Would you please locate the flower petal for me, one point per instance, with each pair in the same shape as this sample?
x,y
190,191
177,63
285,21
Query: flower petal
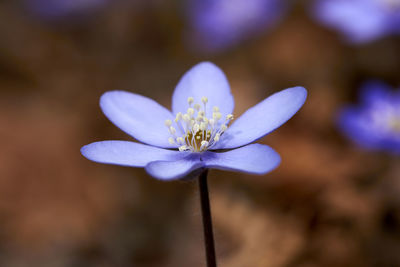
x,y
204,79
359,127
359,20
127,153
375,91
215,26
263,118
172,170
254,158
354,125
139,116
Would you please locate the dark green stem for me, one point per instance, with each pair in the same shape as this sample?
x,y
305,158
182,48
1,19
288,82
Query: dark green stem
x,y
207,221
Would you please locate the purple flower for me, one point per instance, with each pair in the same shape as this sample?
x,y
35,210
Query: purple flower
x,y
360,20
195,135
218,24
375,124
54,9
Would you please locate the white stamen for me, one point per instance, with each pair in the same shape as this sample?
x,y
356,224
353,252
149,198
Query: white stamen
x,y
204,144
217,116
190,112
223,128
178,116
168,123
212,122
183,148
196,128
229,117
199,132
186,117
217,136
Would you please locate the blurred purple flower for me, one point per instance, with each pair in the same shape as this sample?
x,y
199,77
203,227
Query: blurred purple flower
x,y
218,24
375,124
55,9
360,20
177,143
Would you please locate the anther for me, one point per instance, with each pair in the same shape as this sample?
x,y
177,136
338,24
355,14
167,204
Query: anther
x,y
197,107
171,140
217,116
190,100
190,112
204,100
217,136
178,116
186,117
172,130
223,128
229,117
216,109
168,123
204,144
183,148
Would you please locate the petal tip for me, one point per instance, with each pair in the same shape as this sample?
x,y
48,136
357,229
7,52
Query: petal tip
x,y
207,67
87,151
83,151
205,64
301,91
273,156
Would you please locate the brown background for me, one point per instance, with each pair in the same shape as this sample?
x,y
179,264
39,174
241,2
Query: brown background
x,y
329,203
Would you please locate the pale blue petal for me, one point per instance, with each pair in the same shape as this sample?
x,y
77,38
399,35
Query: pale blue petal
x,y
204,79
357,126
172,170
220,24
127,153
263,118
375,91
254,158
138,116
360,20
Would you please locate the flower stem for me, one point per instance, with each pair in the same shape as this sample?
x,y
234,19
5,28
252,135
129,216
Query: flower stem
x,y
207,222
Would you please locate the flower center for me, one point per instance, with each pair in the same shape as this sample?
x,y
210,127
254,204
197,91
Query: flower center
x,y
200,132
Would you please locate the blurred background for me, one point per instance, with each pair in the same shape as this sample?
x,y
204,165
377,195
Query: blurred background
x,y
330,203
